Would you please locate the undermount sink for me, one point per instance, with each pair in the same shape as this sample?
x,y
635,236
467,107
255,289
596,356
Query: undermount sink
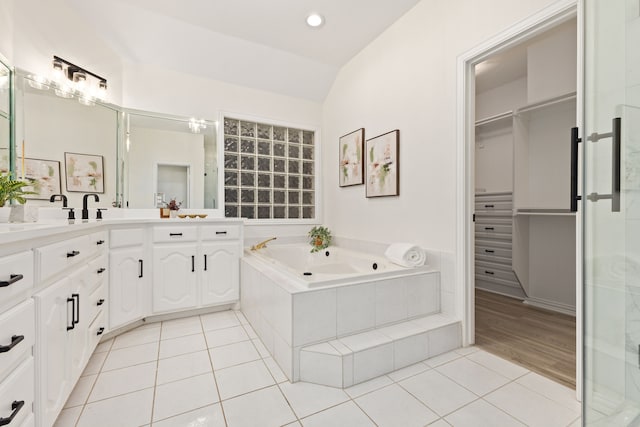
x,y
8,227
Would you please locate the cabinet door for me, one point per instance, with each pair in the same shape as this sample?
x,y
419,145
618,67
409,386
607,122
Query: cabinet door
x,y
174,277
220,275
129,287
81,283
52,352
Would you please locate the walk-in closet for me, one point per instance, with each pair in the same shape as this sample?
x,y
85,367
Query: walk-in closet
x,y
525,229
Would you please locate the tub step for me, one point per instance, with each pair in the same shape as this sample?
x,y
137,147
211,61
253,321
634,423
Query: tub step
x,y
357,358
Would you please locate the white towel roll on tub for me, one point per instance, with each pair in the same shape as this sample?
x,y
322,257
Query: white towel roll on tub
x,y
406,254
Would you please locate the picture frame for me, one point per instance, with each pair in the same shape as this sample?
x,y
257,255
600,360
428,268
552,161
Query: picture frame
x,y
382,162
84,173
351,159
43,176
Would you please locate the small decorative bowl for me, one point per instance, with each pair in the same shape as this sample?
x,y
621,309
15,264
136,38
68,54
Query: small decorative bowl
x,y
182,215
202,215
192,215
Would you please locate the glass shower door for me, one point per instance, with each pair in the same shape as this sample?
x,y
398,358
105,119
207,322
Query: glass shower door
x,y
611,200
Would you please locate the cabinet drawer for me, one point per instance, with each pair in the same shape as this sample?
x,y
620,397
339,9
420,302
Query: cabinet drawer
x,y
494,197
220,232
96,330
16,393
16,275
493,252
99,241
488,272
124,237
98,271
178,233
97,302
58,256
493,229
17,335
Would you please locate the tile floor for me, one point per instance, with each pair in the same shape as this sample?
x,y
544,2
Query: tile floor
x,y
212,370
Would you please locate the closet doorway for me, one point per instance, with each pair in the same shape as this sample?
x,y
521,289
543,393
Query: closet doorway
x,y
524,230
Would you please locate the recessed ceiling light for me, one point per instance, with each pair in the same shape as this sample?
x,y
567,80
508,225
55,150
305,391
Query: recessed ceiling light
x,y
315,20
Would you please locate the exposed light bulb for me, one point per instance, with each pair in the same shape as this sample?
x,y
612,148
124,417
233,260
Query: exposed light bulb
x,y
315,20
80,81
57,74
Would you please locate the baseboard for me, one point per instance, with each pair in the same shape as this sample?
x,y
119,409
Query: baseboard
x,y
551,305
497,288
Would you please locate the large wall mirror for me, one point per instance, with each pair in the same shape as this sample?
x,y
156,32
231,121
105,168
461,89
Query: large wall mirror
x,y
5,117
65,144
167,157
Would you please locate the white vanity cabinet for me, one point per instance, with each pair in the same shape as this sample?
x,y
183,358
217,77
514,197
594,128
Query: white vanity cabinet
x,y
129,285
68,320
195,266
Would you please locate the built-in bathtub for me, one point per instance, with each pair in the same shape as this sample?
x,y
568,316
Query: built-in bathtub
x,y
344,296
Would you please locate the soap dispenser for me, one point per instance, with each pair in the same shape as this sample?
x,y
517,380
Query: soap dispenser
x,y
72,215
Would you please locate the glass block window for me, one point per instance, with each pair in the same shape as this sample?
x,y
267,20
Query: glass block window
x,y
268,171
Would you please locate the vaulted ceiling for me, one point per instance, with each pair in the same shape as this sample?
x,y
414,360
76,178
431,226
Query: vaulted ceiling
x,y
263,44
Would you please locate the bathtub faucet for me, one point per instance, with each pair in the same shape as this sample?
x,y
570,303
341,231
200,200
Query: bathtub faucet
x,y
262,244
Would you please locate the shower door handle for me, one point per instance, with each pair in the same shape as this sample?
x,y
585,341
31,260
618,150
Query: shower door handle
x,y
616,153
575,141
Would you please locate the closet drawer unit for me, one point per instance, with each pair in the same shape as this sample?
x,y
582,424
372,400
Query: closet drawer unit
x,y
493,243
494,220
220,232
494,197
493,206
58,256
17,335
486,251
184,233
16,277
17,392
493,229
493,273
124,237
97,302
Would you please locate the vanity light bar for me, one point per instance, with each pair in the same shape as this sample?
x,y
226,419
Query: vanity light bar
x,y
71,69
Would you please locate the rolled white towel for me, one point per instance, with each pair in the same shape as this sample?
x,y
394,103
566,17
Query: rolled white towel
x,y
406,254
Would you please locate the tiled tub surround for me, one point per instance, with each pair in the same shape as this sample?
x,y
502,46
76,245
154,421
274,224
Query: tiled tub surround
x,y
341,335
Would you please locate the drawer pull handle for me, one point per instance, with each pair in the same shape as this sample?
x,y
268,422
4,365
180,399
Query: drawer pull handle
x,y
489,272
73,313
12,279
101,270
15,407
77,319
15,340
141,262
489,206
175,234
489,251
72,254
193,263
205,262
100,331
100,242
220,232
100,302
489,228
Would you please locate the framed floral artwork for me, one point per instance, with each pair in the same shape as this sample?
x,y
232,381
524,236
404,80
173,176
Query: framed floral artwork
x,y
351,161
84,173
382,165
43,177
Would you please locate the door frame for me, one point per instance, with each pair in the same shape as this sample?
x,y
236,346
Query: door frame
x,y
157,165
549,17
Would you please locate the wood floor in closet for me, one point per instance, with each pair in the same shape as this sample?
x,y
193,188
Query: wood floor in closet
x,y
540,340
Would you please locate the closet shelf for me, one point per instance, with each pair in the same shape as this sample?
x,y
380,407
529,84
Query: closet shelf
x,y
545,212
546,103
495,119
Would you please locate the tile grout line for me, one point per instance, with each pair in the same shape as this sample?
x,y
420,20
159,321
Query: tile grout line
x,y
86,402
155,380
213,371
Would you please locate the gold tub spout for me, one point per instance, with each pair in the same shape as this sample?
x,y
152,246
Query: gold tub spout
x,y
262,244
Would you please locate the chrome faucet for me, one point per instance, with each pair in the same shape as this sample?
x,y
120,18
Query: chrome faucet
x,y
262,244
85,211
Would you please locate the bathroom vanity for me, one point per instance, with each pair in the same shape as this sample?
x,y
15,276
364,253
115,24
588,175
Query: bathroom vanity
x,y
63,287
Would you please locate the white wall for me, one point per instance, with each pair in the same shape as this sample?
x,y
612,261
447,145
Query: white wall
x,y
6,30
406,79
42,29
501,99
148,147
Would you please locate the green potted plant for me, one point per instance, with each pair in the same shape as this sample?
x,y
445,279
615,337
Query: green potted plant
x,y
11,189
319,238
